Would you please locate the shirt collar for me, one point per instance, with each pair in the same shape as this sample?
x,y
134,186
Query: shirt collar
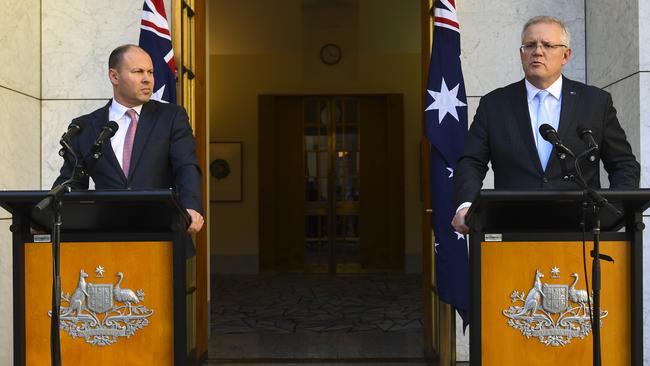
x,y
117,111
555,89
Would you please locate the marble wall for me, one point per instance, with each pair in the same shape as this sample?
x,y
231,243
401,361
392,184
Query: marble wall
x,y
19,132
613,40
75,64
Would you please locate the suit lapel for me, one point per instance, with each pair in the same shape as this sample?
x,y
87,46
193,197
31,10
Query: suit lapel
x,y
519,101
108,152
570,97
146,122
567,123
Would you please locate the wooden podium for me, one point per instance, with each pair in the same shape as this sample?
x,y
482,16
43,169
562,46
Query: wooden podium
x,y
528,290
122,278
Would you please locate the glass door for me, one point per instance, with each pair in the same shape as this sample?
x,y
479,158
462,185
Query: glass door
x,y
331,184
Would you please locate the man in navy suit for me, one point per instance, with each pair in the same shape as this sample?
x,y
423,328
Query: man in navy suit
x,y
157,152
506,124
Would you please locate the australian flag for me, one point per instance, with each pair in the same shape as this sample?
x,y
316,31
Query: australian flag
x,y
446,127
155,38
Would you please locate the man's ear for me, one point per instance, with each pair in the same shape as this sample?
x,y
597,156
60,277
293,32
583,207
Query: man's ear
x,y
567,55
113,76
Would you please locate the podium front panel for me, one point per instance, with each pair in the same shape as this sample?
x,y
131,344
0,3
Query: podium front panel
x,y
108,319
533,304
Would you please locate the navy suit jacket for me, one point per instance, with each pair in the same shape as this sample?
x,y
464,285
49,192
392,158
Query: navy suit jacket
x,y
163,157
502,134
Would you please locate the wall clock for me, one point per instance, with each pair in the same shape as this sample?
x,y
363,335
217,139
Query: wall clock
x,y
330,54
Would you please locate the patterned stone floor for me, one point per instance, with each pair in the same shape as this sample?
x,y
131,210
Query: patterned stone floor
x,y
315,317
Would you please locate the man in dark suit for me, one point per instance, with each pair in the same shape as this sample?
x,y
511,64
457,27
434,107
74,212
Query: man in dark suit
x,y
506,124
153,148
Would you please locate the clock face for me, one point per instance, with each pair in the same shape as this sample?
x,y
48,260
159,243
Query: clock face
x,y
330,54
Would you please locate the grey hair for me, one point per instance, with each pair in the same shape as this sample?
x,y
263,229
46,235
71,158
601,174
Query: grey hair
x,y
566,36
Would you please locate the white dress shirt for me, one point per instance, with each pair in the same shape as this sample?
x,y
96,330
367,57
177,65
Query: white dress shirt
x,y
117,113
552,103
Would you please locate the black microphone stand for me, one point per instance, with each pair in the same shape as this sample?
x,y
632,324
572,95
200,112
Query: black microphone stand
x,y
592,199
54,199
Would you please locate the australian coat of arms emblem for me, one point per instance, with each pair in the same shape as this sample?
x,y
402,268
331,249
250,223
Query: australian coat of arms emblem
x,y
101,313
553,313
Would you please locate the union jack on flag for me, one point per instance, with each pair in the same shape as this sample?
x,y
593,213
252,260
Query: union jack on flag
x,y
446,127
155,38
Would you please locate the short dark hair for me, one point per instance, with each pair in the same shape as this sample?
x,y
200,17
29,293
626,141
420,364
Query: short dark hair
x,y
115,59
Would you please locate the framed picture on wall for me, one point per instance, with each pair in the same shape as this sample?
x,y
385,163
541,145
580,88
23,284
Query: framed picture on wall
x,y
226,167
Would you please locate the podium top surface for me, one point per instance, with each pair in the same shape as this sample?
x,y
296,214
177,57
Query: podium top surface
x,y
92,210
552,210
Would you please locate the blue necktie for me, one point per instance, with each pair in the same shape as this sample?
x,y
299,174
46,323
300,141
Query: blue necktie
x,y
544,147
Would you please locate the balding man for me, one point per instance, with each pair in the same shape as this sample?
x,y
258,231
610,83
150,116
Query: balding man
x,y
153,148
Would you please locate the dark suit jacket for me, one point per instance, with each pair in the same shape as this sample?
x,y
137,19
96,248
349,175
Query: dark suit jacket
x,y
164,154
502,134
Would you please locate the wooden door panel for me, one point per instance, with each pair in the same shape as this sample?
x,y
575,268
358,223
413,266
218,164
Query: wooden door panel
x,y
382,182
280,184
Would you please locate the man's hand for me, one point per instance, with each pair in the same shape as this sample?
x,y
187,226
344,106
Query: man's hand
x,y
197,222
459,221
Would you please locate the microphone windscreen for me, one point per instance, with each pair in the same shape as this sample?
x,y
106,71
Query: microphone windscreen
x,y
581,130
545,130
113,127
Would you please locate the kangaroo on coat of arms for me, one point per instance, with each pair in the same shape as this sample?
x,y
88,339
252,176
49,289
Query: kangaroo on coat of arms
x,y
101,313
554,313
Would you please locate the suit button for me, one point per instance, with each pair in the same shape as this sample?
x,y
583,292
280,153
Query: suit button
x,y
545,180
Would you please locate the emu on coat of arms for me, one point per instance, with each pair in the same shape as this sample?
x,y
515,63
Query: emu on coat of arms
x,y
101,313
553,313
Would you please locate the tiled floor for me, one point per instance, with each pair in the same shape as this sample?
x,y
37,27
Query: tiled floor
x,y
308,319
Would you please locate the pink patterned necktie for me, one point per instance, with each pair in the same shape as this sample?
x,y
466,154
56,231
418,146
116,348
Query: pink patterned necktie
x,y
128,141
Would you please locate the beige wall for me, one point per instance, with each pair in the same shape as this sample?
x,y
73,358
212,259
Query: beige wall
x,y
272,47
19,133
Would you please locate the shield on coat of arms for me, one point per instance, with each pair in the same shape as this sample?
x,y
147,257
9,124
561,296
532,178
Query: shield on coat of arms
x,y
555,299
100,297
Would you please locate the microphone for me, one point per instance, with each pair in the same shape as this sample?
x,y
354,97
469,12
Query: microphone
x,y
588,137
549,134
74,128
106,133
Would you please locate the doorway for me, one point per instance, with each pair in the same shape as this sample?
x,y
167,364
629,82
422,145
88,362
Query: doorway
x,y
331,183
332,189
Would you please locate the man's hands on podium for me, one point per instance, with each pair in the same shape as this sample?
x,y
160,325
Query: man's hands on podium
x,y
458,222
197,222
